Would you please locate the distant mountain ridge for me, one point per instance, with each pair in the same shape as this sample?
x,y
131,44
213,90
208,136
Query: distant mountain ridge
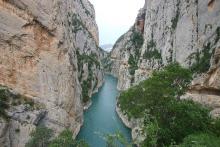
x,y
107,47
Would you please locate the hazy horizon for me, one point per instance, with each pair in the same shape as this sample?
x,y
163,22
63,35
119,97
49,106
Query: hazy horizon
x,y
115,17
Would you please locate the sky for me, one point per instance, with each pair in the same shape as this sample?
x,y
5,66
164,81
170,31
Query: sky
x,y
115,17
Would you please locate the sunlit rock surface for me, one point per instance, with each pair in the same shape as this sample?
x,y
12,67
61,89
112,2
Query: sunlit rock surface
x,y
48,49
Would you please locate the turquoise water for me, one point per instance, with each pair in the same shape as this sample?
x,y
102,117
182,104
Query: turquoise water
x,y
101,118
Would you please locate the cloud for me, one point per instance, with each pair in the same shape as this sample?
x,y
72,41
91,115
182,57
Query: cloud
x,y
115,17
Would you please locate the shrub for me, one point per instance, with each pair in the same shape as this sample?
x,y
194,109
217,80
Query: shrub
x,y
172,82
151,51
179,119
155,54
3,103
137,39
215,127
40,137
65,139
133,64
166,118
201,140
116,140
203,58
85,89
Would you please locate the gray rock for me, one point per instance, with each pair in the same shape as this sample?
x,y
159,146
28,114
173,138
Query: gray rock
x,y
39,41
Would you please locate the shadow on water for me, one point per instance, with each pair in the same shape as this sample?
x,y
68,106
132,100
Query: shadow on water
x,y
101,118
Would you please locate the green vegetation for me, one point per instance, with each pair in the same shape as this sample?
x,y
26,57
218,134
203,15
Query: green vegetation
x,y
85,89
41,137
3,103
202,58
132,61
152,52
215,127
78,25
17,130
201,140
116,140
9,99
172,81
151,44
167,119
217,35
137,39
90,59
86,84
107,63
65,139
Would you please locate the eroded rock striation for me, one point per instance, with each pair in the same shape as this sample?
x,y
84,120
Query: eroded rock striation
x,y
49,54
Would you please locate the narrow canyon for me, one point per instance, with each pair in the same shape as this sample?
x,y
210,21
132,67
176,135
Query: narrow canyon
x,y
51,66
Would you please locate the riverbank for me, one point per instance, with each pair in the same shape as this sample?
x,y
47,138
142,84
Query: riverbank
x,y
133,124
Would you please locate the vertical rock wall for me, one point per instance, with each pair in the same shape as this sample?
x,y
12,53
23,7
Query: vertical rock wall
x,y
187,32
48,49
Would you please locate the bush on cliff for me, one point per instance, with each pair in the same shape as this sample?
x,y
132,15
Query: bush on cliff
x,y
116,140
65,139
167,119
41,137
200,140
3,103
157,90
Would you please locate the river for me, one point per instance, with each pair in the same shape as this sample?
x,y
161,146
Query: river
x,y
101,118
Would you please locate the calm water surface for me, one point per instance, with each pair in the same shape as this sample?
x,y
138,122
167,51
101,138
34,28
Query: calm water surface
x,y
101,117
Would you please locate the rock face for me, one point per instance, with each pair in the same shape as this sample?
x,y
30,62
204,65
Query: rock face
x,y
187,32
205,88
172,31
50,54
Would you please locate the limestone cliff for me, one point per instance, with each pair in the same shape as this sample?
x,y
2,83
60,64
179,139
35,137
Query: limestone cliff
x,y
187,32
50,55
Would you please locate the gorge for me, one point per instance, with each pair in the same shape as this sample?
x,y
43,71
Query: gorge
x,y
101,119
52,68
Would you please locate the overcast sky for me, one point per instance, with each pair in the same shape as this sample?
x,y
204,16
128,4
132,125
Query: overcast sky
x,y
115,17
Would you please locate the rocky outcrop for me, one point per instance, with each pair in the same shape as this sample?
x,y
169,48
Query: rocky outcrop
x,y
50,54
205,88
134,124
173,31
187,32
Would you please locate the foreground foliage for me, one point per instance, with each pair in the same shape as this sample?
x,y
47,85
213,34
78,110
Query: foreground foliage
x,y
201,140
65,139
116,140
167,119
41,137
